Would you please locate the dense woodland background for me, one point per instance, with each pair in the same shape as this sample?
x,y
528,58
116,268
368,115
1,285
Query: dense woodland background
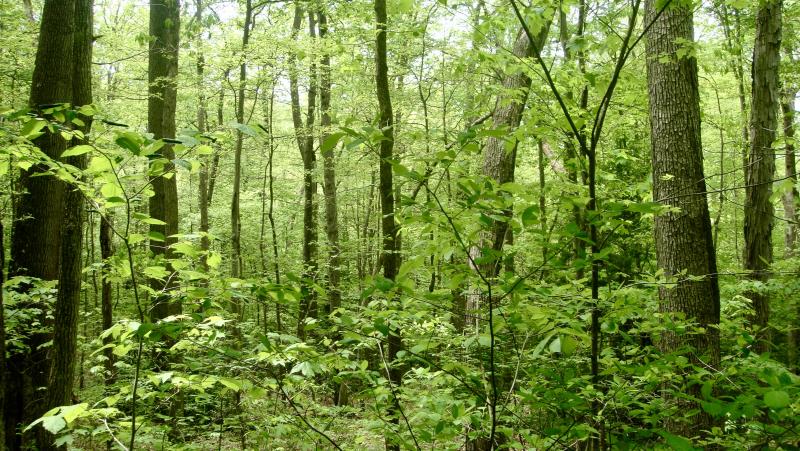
x,y
410,224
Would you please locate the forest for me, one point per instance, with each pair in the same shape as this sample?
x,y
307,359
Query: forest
x,y
399,224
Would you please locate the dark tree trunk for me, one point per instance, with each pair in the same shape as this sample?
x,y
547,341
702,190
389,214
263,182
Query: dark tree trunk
x,y
36,231
759,212
161,104
683,240
305,142
236,226
65,327
389,227
329,177
106,304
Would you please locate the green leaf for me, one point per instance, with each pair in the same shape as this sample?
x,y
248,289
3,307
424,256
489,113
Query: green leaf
x,y
230,383
677,442
32,127
331,141
77,150
54,424
777,399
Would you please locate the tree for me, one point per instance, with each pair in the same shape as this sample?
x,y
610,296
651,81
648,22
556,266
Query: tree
x,y
389,228
683,241
162,71
65,328
759,211
236,227
304,134
40,211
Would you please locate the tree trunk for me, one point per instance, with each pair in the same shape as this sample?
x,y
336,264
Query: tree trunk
x,y
106,303
759,211
161,103
305,142
202,121
236,226
329,177
36,230
389,227
65,327
683,239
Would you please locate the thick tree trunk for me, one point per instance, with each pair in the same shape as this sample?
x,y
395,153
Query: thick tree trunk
x,y
65,327
759,211
790,198
683,239
36,231
161,104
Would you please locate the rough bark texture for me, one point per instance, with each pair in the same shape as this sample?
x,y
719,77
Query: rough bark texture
x,y
36,232
161,104
683,239
329,177
389,227
758,209
65,327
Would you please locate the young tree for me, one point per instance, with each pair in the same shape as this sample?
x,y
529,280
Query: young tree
x,y
684,246
236,226
759,211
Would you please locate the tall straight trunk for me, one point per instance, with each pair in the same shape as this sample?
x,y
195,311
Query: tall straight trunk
x,y
202,121
329,175
36,232
162,72
106,303
683,240
758,209
389,227
236,226
305,142
271,209
65,327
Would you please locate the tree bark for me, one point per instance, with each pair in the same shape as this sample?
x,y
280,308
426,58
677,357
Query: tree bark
x,y
161,105
759,212
389,227
305,142
329,176
36,230
236,226
106,303
683,239
65,327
